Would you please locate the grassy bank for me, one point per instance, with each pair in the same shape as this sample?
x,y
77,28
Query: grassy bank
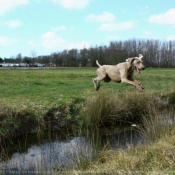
x,y
155,158
34,98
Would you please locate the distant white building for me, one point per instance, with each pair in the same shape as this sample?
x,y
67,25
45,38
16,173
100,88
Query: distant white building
x,y
39,65
6,65
14,65
23,65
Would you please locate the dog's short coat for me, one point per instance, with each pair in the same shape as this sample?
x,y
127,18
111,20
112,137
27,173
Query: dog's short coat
x,y
120,73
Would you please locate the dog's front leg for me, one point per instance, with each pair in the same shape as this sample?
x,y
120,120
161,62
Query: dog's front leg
x,y
140,87
126,81
139,83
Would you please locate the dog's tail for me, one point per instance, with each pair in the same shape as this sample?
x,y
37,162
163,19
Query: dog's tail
x,y
98,63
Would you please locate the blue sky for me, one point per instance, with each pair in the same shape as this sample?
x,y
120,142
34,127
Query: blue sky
x,y
41,27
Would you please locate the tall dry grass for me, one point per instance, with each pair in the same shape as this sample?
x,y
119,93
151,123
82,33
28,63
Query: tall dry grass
x,y
156,155
107,109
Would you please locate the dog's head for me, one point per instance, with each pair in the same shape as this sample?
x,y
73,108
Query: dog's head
x,y
137,63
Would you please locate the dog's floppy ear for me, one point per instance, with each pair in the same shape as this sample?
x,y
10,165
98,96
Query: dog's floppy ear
x,y
130,60
140,56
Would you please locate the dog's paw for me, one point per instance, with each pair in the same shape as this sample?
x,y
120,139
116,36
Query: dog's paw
x,y
140,84
140,90
97,87
139,87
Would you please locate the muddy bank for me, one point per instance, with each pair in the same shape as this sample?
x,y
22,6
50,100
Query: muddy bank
x,y
15,122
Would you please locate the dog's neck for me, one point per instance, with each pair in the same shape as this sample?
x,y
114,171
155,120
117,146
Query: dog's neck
x,y
131,68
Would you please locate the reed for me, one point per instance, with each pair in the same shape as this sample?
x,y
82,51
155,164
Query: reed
x,y
107,109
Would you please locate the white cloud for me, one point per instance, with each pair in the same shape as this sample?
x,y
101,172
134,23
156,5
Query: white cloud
x,y
142,10
108,22
37,1
104,17
33,44
76,4
166,18
7,5
80,45
58,28
147,35
61,28
14,23
54,43
171,37
117,26
112,38
51,41
6,41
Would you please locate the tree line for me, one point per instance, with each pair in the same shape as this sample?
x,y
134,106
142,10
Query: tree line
x,y
156,54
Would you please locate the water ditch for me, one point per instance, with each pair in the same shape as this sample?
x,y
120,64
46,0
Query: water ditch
x,y
63,150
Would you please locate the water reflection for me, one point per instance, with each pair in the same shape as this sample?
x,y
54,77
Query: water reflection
x,y
58,154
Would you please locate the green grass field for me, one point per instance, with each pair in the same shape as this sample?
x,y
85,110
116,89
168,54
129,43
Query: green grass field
x,y
44,86
60,86
38,95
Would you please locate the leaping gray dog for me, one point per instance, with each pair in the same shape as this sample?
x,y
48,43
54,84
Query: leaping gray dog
x,y
120,73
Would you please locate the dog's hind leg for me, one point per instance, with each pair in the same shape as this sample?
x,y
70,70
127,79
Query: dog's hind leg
x,y
97,81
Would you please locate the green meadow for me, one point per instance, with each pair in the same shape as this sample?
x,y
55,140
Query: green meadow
x,y
44,86
47,87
